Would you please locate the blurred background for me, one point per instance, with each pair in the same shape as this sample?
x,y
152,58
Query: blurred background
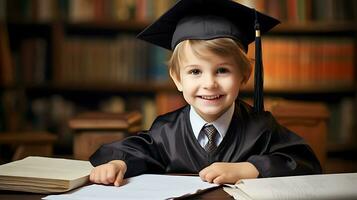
x,y
60,58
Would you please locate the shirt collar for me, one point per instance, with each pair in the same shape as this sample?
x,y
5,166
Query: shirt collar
x,y
221,124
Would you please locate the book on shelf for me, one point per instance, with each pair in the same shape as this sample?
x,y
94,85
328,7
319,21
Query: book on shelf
x,y
308,63
6,65
2,10
108,60
158,69
80,11
44,174
149,111
302,11
322,186
116,10
342,122
33,53
34,11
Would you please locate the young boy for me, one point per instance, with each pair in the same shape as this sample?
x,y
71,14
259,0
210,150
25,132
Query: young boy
x,y
216,135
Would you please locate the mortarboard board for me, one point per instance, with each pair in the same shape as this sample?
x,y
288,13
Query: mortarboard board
x,y
210,19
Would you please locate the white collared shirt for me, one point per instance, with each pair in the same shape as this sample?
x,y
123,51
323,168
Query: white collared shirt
x,y
221,124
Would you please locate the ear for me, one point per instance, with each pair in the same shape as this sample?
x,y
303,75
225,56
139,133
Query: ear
x,y
175,77
247,76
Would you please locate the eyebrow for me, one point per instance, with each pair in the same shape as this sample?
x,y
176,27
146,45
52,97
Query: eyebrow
x,y
191,66
225,63
194,65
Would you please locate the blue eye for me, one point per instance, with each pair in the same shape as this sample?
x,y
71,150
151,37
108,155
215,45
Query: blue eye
x,y
194,72
222,70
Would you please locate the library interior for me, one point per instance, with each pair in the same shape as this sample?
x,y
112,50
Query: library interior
x,y
74,76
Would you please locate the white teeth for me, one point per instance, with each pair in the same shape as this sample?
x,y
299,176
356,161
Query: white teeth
x,y
210,97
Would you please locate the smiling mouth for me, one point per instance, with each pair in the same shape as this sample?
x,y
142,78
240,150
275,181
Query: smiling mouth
x,y
211,97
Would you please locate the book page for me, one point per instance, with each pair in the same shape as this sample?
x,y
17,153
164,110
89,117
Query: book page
x,y
328,186
46,168
145,186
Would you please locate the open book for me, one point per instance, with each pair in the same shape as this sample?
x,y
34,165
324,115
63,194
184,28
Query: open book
x,y
44,175
327,186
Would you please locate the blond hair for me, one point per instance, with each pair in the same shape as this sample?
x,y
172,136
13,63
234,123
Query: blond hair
x,y
219,46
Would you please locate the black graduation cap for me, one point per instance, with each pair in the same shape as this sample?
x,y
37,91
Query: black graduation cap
x,y
209,19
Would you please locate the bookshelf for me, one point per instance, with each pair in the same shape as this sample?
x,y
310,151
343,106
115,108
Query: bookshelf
x,y
51,78
74,56
319,40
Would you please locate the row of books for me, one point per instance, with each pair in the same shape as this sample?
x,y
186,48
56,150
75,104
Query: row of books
x,y
308,63
147,10
117,10
307,10
289,63
28,64
83,10
121,60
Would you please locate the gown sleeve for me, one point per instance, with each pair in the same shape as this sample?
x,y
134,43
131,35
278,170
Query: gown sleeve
x,y
140,153
284,153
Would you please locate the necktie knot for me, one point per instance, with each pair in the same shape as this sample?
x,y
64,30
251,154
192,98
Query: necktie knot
x,y
211,132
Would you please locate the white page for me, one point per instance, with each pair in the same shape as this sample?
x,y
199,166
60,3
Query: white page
x,y
145,186
327,186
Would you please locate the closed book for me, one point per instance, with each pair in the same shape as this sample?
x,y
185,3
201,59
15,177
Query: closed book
x,y
44,175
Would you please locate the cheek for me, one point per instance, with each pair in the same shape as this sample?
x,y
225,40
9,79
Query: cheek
x,y
188,94
188,86
231,82
232,85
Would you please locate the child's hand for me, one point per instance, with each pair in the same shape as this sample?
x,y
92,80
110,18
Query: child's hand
x,y
111,172
222,172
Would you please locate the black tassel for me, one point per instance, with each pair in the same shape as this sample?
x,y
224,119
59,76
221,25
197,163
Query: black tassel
x,y
258,73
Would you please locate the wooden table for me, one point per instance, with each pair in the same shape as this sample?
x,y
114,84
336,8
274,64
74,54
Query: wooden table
x,y
213,194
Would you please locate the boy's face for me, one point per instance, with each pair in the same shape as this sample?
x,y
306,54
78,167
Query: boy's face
x,y
210,84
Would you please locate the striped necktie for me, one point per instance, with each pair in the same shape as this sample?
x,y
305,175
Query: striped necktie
x,y
211,132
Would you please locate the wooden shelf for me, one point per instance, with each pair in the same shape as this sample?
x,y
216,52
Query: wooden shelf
x,y
28,23
338,147
107,87
313,90
101,25
132,25
315,27
335,165
121,25
152,86
347,90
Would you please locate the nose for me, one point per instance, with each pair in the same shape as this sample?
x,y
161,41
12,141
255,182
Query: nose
x,y
209,81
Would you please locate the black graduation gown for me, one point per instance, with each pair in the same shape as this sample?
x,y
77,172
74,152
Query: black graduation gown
x,y
171,147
